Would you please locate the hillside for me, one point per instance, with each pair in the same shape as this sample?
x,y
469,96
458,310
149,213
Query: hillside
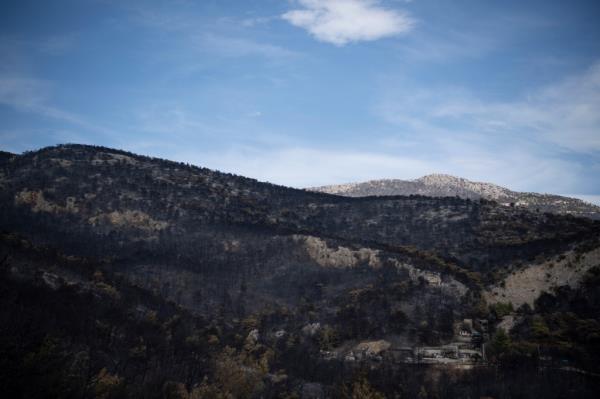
x,y
131,276
439,185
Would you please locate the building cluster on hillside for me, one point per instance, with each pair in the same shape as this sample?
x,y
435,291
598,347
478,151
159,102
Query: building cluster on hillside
x,y
467,347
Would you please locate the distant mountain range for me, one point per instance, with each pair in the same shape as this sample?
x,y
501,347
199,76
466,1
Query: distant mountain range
x,y
441,185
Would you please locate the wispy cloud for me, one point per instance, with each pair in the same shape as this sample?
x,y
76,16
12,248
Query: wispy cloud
x,y
151,16
31,95
564,113
254,21
57,45
436,130
242,47
446,46
54,45
343,21
306,166
191,37
552,133
20,54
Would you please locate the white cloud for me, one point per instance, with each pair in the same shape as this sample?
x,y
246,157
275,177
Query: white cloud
x,y
343,21
564,113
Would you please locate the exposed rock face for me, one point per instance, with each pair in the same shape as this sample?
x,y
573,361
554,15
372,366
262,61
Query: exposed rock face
x,y
338,257
440,185
129,218
37,202
343,257
525,285
372,348
444,185
435,185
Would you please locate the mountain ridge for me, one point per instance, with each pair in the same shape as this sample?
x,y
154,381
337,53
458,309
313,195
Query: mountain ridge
x,y
144,275
441,185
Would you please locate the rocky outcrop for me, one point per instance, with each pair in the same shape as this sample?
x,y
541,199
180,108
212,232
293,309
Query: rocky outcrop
x,y
38,203
110,158
341,257
441,185
372,348
525,285
128,218
367,350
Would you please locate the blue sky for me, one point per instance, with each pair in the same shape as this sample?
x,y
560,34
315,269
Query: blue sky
x,y
307,92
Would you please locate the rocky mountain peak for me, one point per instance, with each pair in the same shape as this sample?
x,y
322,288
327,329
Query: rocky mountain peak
x,y
444,185
477,189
